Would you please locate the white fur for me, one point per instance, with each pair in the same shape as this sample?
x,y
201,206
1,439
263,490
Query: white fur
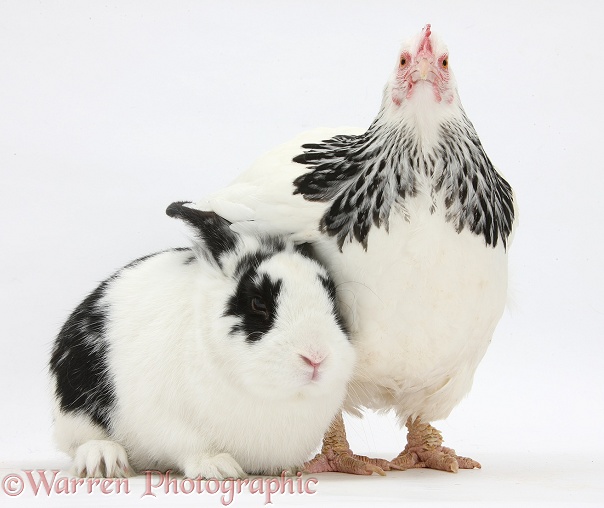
x,y
101,459
191,397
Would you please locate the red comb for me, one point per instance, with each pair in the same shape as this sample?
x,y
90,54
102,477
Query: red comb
x,y
426,45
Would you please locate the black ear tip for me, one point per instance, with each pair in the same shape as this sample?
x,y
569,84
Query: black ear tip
x,y
176,208
212,230
194,216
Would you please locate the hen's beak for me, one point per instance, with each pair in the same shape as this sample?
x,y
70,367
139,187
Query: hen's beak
x,y
424,68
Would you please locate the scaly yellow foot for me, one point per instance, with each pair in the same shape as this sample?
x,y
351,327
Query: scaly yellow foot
x,y
424,449
336,455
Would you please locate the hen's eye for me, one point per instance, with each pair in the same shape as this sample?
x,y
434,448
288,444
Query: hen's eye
x,y
403,61
258,306
445,63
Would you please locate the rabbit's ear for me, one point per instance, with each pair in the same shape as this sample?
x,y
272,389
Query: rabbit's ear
x,y
212,231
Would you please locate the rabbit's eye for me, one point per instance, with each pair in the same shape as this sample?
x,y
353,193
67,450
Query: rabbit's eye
x,y
258,306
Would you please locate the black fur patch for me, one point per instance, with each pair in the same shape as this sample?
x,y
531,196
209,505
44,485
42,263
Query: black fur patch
x,y
253,323
79,361
79,356
252,286
269,247
250,262
330,287
306,249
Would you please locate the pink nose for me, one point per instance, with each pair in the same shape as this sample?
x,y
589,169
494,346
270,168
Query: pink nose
x,y
313,362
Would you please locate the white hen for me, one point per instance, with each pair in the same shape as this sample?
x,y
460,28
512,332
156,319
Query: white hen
x,y
414,222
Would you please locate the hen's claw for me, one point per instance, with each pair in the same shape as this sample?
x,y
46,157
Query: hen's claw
x,y
336,457
424,449
330,461
434,459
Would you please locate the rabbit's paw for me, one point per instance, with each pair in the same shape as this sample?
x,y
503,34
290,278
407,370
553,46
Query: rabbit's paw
x,y
220,467
101,459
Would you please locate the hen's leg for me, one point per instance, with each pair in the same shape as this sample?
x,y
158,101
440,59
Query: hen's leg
x,y
336,455
424,449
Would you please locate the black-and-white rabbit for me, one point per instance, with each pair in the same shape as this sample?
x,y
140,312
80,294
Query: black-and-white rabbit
x,y
225,359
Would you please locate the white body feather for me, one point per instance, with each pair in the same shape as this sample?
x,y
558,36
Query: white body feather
x,y
423,311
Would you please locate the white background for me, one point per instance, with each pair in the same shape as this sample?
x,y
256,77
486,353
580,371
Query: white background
x,y
109,111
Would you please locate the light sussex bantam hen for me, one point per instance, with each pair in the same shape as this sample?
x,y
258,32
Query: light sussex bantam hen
x,y
414,223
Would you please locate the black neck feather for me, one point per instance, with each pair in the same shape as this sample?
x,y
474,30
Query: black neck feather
x,y
365,176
